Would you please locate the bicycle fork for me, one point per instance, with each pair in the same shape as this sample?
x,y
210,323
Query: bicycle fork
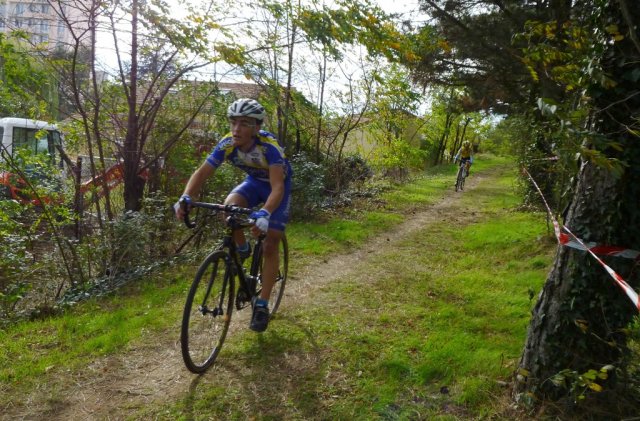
x,y
218,310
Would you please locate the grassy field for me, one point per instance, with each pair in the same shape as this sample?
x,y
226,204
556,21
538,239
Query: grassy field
x,y
428,328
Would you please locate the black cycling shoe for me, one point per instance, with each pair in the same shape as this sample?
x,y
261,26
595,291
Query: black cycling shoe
x,y
260,319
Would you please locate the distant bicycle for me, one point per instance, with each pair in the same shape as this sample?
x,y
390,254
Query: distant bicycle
x,y
213,294
463,171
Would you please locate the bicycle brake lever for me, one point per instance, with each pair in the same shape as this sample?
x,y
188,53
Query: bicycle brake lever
x,y
187,222
185,207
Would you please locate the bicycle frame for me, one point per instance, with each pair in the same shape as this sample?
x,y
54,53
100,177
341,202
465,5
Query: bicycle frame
x,y
463,170
467,165
247,283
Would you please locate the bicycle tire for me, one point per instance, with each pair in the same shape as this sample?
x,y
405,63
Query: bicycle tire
x,y
460,179
207,312
281,280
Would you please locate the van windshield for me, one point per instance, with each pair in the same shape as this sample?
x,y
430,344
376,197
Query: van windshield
x,y
37,141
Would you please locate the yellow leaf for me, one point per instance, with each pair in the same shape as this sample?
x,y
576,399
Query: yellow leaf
x,y
595,386
444,45
612,29
582,324
411,57
618,37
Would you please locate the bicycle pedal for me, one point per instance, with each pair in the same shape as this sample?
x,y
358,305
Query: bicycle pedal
x,y
242,300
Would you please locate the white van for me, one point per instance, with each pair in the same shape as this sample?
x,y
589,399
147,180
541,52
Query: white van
x,y
38,137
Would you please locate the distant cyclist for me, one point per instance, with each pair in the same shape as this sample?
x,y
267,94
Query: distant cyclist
x,y
268,182
465,155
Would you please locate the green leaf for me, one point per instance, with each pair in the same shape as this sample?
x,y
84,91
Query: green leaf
x,y
558,380
590,375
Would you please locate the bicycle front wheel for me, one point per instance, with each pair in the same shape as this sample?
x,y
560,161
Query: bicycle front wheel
x,y
281,279
207,312
460,178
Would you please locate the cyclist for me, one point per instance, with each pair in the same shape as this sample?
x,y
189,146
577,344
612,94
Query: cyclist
x,y
465,155
268,182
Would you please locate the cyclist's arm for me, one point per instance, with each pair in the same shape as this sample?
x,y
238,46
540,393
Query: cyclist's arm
x,y
276,179
194,185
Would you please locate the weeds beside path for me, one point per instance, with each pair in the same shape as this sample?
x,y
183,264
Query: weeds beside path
x,y
338,343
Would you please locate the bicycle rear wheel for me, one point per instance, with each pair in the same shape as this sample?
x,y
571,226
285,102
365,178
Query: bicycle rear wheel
x,y
207,313
460,178
281,279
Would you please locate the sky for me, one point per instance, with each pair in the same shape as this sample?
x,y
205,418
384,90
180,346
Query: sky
x,y
407,7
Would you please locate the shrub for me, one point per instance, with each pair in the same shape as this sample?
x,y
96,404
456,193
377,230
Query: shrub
x,y
395,158
307,186
15,257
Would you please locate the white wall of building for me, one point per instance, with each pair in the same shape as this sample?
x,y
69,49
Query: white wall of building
x,y
43,20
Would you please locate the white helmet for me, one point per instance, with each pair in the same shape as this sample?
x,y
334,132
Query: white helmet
x,y
246,107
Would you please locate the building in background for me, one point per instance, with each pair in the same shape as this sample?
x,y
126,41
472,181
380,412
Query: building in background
x,y
47,23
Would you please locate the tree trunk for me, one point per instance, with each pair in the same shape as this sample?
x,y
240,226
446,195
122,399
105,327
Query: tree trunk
x,y
133,184
442,144
323,80
580,319
580,310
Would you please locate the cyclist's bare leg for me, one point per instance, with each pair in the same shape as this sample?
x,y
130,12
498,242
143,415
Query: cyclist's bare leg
x,y
237,200
271,256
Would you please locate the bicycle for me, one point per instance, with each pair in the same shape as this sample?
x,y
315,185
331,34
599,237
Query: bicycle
x,y
213,294
463,171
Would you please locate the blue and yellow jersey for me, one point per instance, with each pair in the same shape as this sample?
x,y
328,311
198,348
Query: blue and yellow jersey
x,y
464,153
265,153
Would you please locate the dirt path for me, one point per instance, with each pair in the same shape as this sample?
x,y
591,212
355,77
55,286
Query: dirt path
x,y
118,385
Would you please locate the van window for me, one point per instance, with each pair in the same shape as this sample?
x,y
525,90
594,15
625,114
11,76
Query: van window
x,y
36,141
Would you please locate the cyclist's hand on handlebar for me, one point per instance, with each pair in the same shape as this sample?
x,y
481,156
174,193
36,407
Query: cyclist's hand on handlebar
x,y
262,219
181,207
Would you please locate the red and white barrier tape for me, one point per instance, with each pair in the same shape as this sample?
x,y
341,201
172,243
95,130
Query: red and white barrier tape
x,y
599,250
592,249
633,296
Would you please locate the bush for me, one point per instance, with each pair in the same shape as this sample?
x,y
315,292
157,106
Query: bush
x,y
307,186
15,257
354,169
397,157
138,239
136,243
341,175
